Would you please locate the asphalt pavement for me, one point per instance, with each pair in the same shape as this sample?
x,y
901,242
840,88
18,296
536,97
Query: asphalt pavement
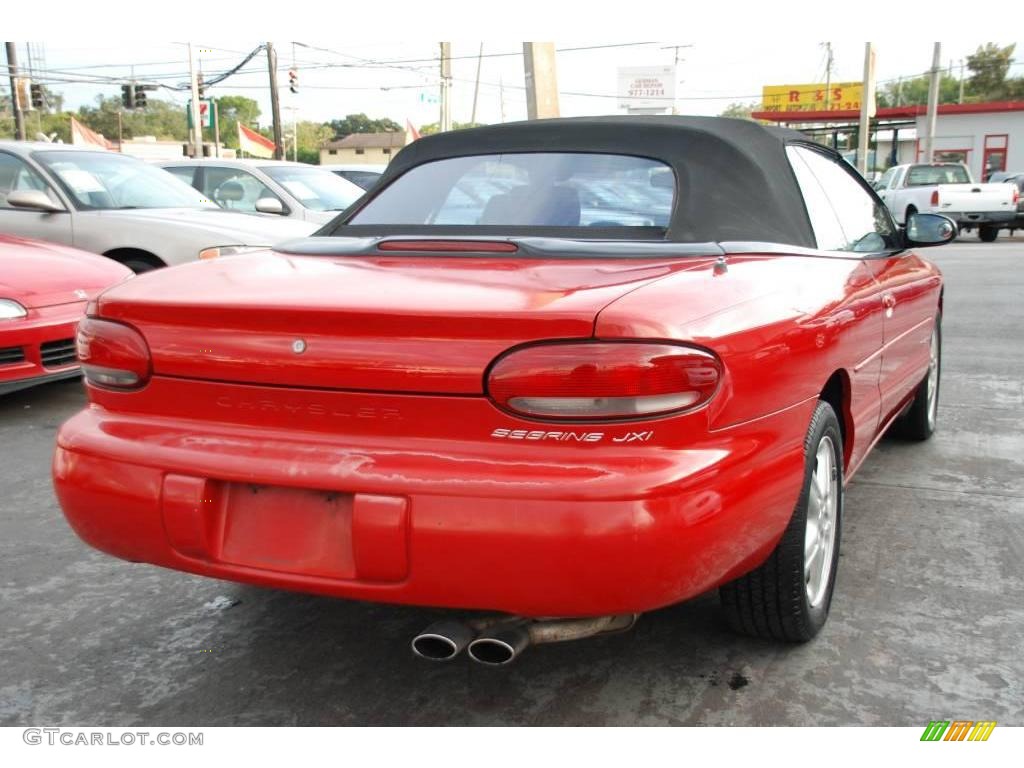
x,y
926,623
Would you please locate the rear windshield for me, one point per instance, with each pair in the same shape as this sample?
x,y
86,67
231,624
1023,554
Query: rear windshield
x,y
538,189
924,175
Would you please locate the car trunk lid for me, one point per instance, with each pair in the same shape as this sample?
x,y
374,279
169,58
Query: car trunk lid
x,y
428,323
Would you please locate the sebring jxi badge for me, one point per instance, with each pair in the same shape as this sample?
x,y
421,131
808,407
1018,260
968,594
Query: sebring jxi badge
x,y
570,436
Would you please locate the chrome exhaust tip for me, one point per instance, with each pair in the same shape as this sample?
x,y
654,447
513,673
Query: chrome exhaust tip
x,y
500,646
442,641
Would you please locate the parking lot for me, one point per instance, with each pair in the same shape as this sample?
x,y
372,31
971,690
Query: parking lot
x,y
926,622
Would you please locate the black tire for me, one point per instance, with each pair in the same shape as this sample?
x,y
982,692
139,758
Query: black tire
x,y
771,601
137,261
910,211
987,233
915,424
138,264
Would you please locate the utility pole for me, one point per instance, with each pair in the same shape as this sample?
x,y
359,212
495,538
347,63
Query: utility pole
x,y
446,86
275,104
828,75
961,81
197,125
16,105
675,71
541,80
867,108
476,88
933,104
216,128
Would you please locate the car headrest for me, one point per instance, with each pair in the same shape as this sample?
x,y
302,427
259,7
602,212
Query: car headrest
x,y
554,206
230,192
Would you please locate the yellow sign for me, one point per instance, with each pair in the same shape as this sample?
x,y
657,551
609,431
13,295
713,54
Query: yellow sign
x,y
811,97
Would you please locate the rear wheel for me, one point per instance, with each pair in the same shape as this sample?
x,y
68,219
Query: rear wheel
x,y
140,265
920,419
788,597
137,261
987,233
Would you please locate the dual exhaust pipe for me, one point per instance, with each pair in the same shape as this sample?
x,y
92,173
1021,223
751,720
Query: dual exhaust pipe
x,y
498,641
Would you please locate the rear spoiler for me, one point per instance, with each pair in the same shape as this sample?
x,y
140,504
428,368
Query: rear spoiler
x,y
526,247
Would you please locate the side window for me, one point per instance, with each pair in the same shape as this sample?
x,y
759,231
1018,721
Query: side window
x,y
866,225
234,189
16,175
827,231
183,172
886,180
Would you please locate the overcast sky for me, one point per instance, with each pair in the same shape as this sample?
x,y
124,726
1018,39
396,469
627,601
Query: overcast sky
x,y
399,80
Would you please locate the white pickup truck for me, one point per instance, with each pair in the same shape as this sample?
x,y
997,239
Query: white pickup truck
x,y
947,188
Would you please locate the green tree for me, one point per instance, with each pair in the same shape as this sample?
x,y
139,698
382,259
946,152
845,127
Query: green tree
x,y
232,110
988,81
362,124
989,66
163,119
312,136
741,110
914,91
430,128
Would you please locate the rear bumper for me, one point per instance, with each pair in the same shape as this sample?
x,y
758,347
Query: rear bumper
x,y
589,533
39,347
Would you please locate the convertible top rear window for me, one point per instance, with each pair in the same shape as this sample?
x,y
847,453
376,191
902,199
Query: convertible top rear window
x,y
529,189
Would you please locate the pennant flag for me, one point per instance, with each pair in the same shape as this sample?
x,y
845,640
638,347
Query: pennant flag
x,y
253,143
83,134
410,130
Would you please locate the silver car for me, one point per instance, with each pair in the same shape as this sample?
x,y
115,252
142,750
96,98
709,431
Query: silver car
x,y
293,190
121,207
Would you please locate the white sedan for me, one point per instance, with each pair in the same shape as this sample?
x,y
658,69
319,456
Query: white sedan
x,y
291,190
121,207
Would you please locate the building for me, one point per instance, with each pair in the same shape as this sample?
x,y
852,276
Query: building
x,y
363,148
986,137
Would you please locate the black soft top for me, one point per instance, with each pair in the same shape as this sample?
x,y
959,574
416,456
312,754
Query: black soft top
x,y
733,179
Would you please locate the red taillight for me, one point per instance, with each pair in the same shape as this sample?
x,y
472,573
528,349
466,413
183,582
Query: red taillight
x,y
935,197
603,380
112,354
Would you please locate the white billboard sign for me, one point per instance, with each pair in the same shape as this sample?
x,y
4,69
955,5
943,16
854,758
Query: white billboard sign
x,y
647,87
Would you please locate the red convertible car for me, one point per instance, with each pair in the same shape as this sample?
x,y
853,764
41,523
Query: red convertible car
x,y
561,372
44,289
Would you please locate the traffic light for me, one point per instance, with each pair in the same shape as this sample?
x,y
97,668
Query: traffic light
x,y
140,97
293,81
36,92
128,96
200,86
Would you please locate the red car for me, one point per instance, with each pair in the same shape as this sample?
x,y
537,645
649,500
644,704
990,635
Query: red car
x,y
44,289
578,368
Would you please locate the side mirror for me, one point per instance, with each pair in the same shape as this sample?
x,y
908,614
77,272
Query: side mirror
x,y
930,229
269,205
33,199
